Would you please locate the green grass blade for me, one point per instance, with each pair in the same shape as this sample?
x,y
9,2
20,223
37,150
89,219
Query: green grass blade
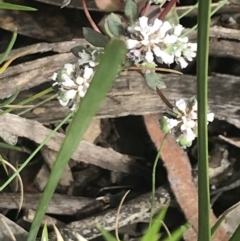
x,y
9,6
153,231
102,81
204,228
154,179
35,152
9,100
177,235
9,48
107,236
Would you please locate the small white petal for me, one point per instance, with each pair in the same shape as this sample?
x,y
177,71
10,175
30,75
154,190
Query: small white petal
x,y
210,117
67,81
63,103
189,135
69,68
156,25
132,43
181,105
164,28
80,80
143,22
88,72
172,122
183,63
178,30
81,91
54,76
70,94
149,56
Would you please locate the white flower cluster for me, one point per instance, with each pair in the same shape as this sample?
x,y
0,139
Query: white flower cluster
x,y
90,55
184,121
72,83
159,40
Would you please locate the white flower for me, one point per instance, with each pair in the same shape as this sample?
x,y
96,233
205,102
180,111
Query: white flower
x,y
90,56
184,121
159,39
150,39
210,117
171,122
73,82
69,68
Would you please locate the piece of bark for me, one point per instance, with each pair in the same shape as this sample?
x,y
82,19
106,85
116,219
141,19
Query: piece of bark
x,y
49,23
125,101
93,131
86,152
179,175
9,229
41,178
59,204
30,214
49,157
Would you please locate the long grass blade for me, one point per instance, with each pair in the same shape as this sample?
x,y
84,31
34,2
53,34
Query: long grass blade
x,y
102,81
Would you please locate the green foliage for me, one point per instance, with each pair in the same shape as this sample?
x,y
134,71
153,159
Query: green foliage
x,y
95,38
153,231
9,6
44,233
131,11
152,234
101,83
154,80
9,100
236,235
113,25
172,16
204,228
9,48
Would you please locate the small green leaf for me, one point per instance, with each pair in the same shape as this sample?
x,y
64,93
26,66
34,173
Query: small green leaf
x,y
107,236
76,50
9,6
9,48
115,28
95,38
44,232
10,100
184,142
164,125
236,234
153,231
154,80
172,16
131,11
177,235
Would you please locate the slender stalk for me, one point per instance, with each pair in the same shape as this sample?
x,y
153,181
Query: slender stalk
x,y
85,9
154,180
204,12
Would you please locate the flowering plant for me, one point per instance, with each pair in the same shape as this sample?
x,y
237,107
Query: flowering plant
x,y
152,43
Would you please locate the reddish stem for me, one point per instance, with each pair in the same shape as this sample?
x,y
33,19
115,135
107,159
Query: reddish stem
x,y
85,9
145,9
166,10
164,99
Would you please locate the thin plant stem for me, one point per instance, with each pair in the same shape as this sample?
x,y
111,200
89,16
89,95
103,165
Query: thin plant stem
x,y
204,13
85,9
38,95
39,104
166,10
154,180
